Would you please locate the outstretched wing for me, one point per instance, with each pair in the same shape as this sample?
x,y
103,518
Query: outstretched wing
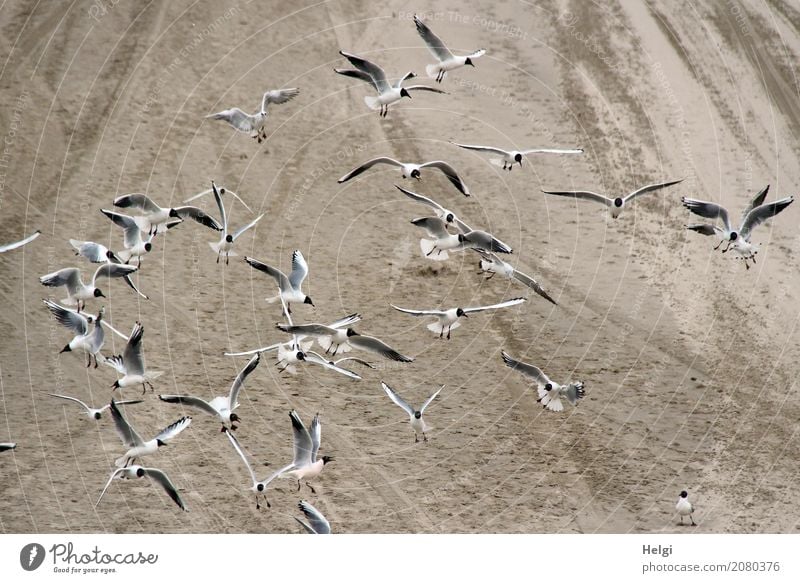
x,y
760,214
198,216
162,480
419,312
533,284
316,437
126,433
317,524
434,226
240,451
378,347
430,399
582,194
532,372
757,201
189,401
277,274
248,226
489,149
14,245
172,431
240,120
374,71
434,43
708,210
398,400
238,383
367,165
450,173
138,201
72,320
278,96
299,269
650,188
303,444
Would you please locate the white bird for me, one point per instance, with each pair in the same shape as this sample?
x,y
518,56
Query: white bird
x,y
492,264
135,471
135,244
16,244
97,253
387,93
254,124
130,364
616,205
290,287
447,215
7,446
227,239
90,342
550,392
317,523
155,219
220,407
138,447
684,507
306,464
410,170
90,318
91,412
509,157
259,486
414,415
77,291
447,61
448,319
334,340
738,241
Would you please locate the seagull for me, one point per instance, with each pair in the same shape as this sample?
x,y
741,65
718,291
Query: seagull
x,y
305,465
290,287
617,205
443,240
492,264
154,217
415,416
135,471
54,307
90,342
254,124
684,507
447,61
16,244
77,291
225,243
258,487
220,407
135,244
317,523
550,393
448,319
739,241
410,170
132,440
447,215
508,157
97,253
130,363
375,76
91,412
7,446
334,340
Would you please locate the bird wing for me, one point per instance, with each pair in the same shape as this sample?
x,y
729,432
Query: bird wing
x,y
247,226
450,174
78,323
73,399
371,344
162,480
705,229
489,149
760,214
425,88
278,96
506,304
582,194
346,321
533,284
139,201
222,191
238,383
94,252
172,431
485,241
315,330
552,151
128,435
528,370
435,44
112,270
434,226
317,522
25,241
108,483
367,165
316,437
377,74
189,401
421,198
355,73
132,356
354,359
240,451
650,188
397,399
315,358
299,269
419,312
708,210
198,216
757,201
303,444
277,274
221,206
574,392
430,399
240,120
131,230
70,277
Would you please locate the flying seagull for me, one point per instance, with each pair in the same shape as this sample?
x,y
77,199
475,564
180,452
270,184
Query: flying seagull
x,y
77,291
509,157
16,244
138,447
7,446
130,364
447,61
492,264
414,415
90,342
410,170
448,319
550,392
616,205
97,253
227,239
158,476
254,124
334,340
290,287
91,412
155,219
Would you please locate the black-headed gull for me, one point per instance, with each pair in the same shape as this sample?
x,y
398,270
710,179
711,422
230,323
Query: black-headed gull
x,y
259,486
254,124
91,412
410,170
155,219
220,407
138,447
77,291
445,214
290,287
492,264
509,157
7,446
158,476
97,253
335,340
88,341
130,364
684,507
447,61
615,205
225,244
738,240
387,93
136,245
448,319
414,415
316,522
306,464
550,392
16,244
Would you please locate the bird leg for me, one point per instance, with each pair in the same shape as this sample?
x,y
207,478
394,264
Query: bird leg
x,y
719,245
425,438
227,259
416,437
95,360
431,251
692,519
448,331
298,485
441,332
681,518
490,277
313,491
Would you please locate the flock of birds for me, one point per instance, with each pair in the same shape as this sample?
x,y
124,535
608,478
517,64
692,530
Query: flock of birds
x,y
446,233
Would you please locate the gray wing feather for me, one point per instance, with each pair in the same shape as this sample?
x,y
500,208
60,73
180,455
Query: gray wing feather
x,y
72,320
650,188
127,434
238,383
162,480
760,214
317,522
277,274
367,165
434,43
378,347
450,173
707,210
172,431
374,71
189,401
430,400
303,444
528,370
397,399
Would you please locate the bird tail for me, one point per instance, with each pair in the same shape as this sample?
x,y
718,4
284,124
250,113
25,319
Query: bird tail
x,y
120,462
273,299
438,328
427,246
372,102
432,71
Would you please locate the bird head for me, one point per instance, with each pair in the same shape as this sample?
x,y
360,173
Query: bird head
x,y
518,158
300,355
461,313
147,247
548,387
235,418
97,415
98,293
308,301
417,414
326,459
351,332
415,174
160,443
618,202
66,349
404,93
684,494
229,238
469,62
139,472
173,213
